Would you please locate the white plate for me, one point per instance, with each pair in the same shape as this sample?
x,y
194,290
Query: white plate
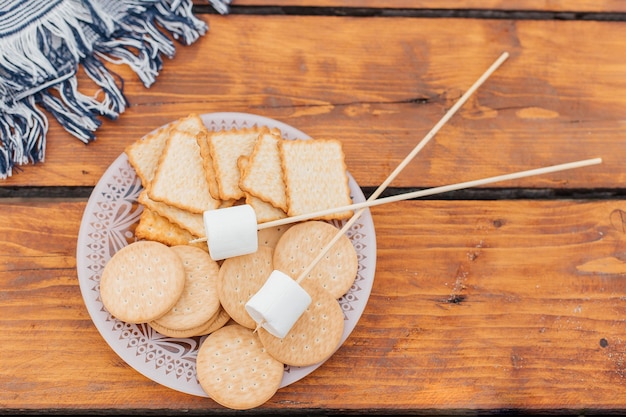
x,y
107,226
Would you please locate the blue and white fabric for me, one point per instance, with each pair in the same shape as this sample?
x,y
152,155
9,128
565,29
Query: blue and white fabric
x,y
44,42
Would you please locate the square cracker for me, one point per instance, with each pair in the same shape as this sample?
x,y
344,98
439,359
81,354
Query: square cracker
x,y
226,146
207,163
192,222
315,176
179,179
262,175
152,226
191,123
263,210
144,153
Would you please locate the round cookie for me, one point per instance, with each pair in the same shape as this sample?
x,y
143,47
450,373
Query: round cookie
x,y
199,301
234,369
303,242
176,333
271,235
239,279
220,321
217,321
142,281
314,336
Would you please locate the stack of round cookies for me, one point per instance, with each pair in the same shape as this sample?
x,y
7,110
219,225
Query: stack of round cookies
x,y
181,292
174,289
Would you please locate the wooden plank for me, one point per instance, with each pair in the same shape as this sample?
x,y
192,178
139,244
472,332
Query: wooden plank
x,y
602,6
378,85
499,305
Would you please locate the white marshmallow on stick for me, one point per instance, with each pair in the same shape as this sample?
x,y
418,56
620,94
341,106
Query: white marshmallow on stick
x,y
278,304
230,231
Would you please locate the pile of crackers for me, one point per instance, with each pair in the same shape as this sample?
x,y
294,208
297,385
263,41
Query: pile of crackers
x,y
186,169
179,290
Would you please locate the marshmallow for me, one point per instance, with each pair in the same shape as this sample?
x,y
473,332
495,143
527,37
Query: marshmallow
x,y
231,231
278,304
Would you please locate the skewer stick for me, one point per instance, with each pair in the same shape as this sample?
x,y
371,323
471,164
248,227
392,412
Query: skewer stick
x,y
458,186
433,191
440,124
281,324
408,159
402,164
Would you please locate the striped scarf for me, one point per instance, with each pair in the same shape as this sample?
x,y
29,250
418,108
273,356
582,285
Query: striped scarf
x,y
42,44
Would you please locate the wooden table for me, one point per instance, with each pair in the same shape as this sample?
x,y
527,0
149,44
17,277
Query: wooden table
x,y
505,297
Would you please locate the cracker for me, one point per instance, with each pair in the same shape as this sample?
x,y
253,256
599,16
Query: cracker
x,y
142,282
239,279
179,179
191,123
263,210
214,323
314,336
234,369
207,164
199,301
144,153
226,146
176,333
262,175
229,203
220,319
303,242
152,226
192,222
315,176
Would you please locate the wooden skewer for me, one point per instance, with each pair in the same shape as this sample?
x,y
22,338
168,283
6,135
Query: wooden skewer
x,y
433,191
408,159
438,190
402,165
453,187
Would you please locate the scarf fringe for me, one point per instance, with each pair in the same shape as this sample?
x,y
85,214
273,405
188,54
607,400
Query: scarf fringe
x,y
23,136
39,62
221,5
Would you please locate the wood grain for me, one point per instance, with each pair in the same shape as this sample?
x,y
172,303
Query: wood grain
x,y
477,306
379,85
604,6
498,305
